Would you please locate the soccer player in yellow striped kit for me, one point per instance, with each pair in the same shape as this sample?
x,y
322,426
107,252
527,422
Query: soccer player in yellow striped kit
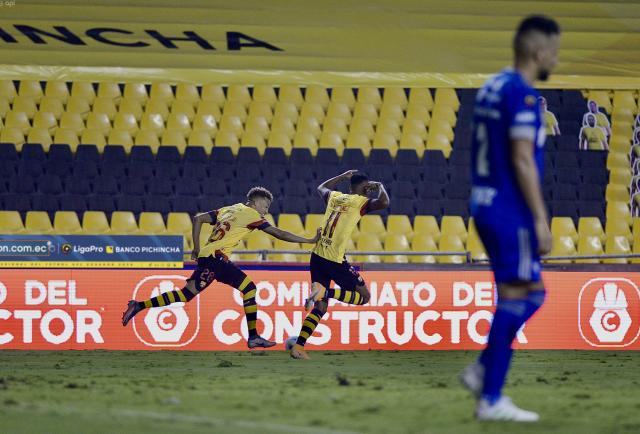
x,y
328,261
231,224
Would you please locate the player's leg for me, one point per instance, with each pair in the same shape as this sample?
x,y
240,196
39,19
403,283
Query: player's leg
x,y
353,289
227,272
308,327
201,277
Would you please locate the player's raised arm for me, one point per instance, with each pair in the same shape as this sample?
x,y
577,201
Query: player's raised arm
x,y
288,236
380,202
205,217
529,183
329,185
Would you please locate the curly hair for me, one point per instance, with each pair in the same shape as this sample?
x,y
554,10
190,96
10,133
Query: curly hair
x,y
256,192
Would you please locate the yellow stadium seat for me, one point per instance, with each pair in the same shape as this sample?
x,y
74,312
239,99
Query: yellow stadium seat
x,y
454,225
619,144
125,122
400,224
393,243
451,243
291,223
258,109
66,222
475,246
331,141
589,245
362,126
174,138
257,125
69,137
95,223
238,93
336,126
78,105
313,222
40,135
619,210
415,126
17,120
57,89
343,95
391,112
253,140
257,240
358,141
25,105
439,142
265,93
369,95
234,109
412,141
120,137
106,106
366,112
385,141
37,222
624,99
620,176
421,96
291,94
635,225
131,106
151,223
285,109
45,120
372,224
447,97
303,139
317,95
30,89
617,245
443,113
232,123
11,223
179,122
136,91
309,125
227,139
184,108
93,137
162,92
426,225
621,129
279,140
83,90
179,223
123,223
50,105
7,90
187,92
204,122
441,127
157,107
209,108
367,243
615,227
389,126
109,89
284,125
338,110
147,138
12,135
152,122
564,226
99,122
617,192
395,95
213,93
200,138
602,98
284,257
591,226
562,245
313,110
418,113
423,243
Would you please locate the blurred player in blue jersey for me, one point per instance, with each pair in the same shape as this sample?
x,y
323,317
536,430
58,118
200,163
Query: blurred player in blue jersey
x,y
507,205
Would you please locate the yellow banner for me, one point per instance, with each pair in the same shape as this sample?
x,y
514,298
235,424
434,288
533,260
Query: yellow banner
x,y
407,42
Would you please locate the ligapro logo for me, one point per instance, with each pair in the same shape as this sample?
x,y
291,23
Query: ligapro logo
x,y
609,312
175,325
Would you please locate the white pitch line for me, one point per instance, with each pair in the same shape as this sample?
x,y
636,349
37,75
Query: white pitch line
x,y
178,417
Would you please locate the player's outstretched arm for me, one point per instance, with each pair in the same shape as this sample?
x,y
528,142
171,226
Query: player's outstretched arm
x,y
380,202
288,236
329,185
198,220
529,183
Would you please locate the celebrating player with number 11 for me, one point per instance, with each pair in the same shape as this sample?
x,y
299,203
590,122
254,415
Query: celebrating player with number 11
x,y
230,225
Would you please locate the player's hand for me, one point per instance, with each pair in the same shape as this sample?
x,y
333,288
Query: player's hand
x,y
317,237
544,237
195,253
348,174
373,186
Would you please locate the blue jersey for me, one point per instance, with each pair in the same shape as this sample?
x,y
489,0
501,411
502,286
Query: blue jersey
x,y
506,108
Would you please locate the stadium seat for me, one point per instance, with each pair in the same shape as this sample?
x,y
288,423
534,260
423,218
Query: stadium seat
x,y
123,223
315,94
564,226
454,225
30,89
257,240
372,224
45,120
602,98
41,136
109,90
12,135
339,110
136,91
615,227
213,93
591,226
37,222
474,244
619,211
72,122
343,95
617,160
66,222
562,245
617,245
400,225
422,97
78,105
99,122
447,97
83,90
389,112
151,223
265,93
312,223
444,114
423,243
291,223
47,105
17,120
451,243
95,223
7,90
105,106
395,95
589,245
426,225
157,107
415,126
624,99
125,122
287,257
617,192
367,243
396,242
11,223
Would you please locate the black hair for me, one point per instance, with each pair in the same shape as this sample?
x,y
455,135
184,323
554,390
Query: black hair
x,y
259,192
358,178
533,23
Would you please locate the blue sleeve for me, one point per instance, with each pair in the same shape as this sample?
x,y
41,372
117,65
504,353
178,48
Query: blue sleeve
x,y
521,113
214,216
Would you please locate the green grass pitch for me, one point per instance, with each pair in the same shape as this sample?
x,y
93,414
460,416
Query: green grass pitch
x,y
336,392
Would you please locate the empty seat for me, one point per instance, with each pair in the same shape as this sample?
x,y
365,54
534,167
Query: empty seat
x,y
451,243
123,223
66,222
38,222
11,223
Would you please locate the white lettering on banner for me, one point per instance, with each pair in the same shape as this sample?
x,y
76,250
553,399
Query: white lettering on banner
x,y
423,336
345,318
419,288
371,323
406,335
285,328
455,317
472,326
218,327
481,294
5,338
54,292
45,329
3,293
27,316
